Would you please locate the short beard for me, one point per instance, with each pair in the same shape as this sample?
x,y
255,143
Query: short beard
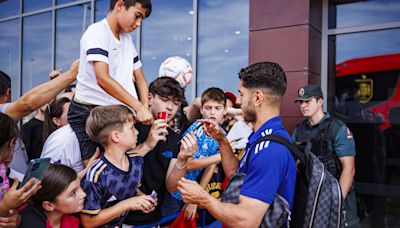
x,y
249,114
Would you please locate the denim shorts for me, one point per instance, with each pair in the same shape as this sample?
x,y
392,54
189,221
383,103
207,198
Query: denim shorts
x,y
77,116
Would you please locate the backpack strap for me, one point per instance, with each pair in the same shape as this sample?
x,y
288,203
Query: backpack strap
x,y
282,140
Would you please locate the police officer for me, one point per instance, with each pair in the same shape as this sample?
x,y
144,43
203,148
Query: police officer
x,y
332,142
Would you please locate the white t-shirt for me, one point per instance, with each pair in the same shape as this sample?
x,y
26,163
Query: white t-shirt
x,y
19,163
99,44
62,146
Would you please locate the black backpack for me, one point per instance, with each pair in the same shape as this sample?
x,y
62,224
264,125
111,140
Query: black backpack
x,y
318,200
322,143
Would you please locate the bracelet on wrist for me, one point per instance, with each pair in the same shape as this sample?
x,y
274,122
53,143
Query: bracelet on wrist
x,y
182,167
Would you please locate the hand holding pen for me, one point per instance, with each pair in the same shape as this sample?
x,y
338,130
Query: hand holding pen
x,y
212,129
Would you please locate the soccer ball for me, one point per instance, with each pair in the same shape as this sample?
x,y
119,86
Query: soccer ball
x,y
178,68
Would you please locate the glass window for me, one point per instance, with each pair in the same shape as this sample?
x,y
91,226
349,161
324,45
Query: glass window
x,y
167,32
360,13
102,7
355,45
9,8
71,23
367,97
31,5
376,67
9,50
59,2
223,43
36,58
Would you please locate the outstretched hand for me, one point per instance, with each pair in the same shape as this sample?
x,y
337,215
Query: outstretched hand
x,y
188,147
212,129
191,191
144,203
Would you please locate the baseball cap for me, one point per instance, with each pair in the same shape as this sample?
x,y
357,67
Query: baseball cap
x,y
305,93
230,96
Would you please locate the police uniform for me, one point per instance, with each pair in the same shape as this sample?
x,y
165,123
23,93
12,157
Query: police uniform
x,y
330,139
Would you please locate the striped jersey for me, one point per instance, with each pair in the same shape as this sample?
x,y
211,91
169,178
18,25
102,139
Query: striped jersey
x,y
106,185
98,44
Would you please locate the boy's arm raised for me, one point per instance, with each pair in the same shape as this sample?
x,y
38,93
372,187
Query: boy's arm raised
x,y
42,94
113,88
158,132
199,163
178,166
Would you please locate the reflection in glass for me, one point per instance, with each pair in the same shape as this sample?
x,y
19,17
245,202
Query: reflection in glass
x,y
367,77
36,58
59,2
71,23
351,46
223,43
360,13
367,97
31,5
167,32
9,50
9,8
102,7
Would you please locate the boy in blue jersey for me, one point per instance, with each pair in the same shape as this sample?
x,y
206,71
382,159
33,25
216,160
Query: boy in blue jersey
x,y
213,106
111,183
270,169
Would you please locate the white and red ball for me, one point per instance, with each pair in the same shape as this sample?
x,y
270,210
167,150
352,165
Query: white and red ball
x,y
178,68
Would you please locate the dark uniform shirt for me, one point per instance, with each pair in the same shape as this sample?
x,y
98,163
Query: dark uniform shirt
x,y
343,142
342,145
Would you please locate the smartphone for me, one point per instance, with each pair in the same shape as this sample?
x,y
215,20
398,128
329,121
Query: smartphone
x,y
153,194
36,169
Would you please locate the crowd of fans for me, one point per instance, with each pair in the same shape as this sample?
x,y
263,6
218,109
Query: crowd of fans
x,y
127,153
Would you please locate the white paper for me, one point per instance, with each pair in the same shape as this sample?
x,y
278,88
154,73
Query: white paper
x,y
241,131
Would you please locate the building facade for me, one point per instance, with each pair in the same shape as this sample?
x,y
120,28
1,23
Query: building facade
x,y
351,48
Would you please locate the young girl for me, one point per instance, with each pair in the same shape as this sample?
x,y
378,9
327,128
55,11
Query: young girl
x,y
13,197
60,196
55,116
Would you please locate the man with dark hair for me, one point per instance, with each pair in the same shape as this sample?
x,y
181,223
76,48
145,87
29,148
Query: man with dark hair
x,y
5,88
270,168
332,142
165,164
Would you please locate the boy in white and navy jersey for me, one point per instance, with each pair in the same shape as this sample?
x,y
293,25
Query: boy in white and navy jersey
x,y
110,69
111,183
